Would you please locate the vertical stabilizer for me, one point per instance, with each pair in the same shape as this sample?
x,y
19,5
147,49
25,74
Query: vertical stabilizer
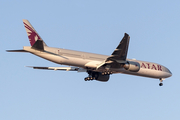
x,y
31,32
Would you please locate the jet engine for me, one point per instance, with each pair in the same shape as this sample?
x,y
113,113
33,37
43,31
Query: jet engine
x,y
132,66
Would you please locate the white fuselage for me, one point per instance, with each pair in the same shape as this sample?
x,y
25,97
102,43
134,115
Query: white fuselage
x,y
91,60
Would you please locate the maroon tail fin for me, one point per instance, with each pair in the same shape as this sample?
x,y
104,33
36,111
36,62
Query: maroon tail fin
x,y
31,32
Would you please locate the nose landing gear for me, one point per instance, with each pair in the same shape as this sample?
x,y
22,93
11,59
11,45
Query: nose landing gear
x,y
161,80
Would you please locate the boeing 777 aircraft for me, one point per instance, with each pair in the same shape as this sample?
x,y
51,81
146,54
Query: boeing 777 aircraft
x,y
99,67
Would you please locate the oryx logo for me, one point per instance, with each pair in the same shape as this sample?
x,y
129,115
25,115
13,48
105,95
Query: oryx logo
x,y
32,35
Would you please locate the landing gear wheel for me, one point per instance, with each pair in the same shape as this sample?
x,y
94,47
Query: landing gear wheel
x,y
160,84
89,78
85,79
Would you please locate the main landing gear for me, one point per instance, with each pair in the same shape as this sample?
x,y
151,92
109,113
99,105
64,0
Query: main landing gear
x,y
161,80
92,76
89,78
107,73
104,76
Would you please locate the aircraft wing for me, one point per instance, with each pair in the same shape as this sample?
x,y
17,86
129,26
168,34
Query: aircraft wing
x,y
60,68
119,55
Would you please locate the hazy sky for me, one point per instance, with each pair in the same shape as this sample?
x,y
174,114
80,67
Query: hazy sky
x,y
95,26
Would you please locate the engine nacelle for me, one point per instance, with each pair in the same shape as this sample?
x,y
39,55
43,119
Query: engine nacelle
x,y
102,78
132,66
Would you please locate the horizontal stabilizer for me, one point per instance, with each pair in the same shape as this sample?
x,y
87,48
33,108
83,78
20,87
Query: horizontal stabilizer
x,y
16,51
60,68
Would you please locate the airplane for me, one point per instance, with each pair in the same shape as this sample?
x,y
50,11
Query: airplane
x,y
99,67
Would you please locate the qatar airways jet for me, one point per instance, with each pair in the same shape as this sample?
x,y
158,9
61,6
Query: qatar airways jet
x,y
99,67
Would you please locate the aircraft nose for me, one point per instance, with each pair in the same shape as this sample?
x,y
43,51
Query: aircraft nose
x,y
168,72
